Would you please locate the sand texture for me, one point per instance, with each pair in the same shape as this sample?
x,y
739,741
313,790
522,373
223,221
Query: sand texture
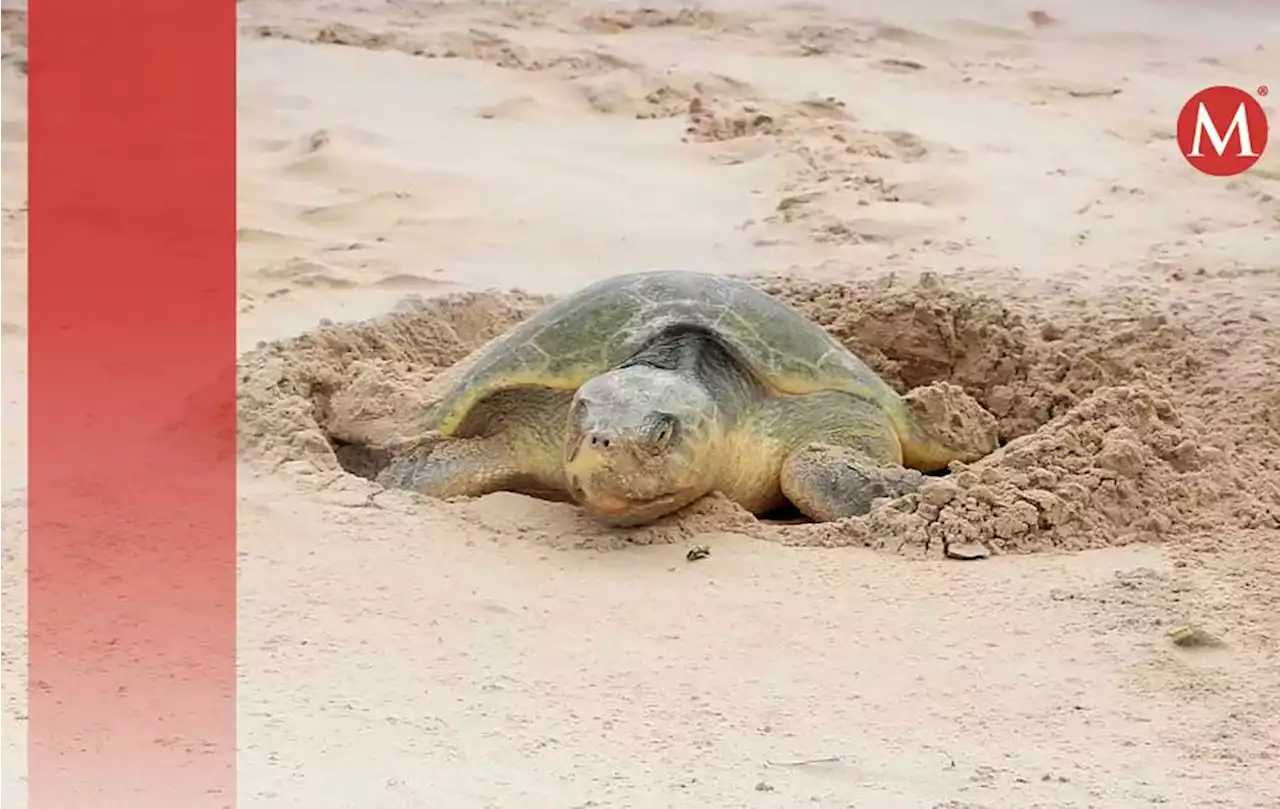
x,y
980,199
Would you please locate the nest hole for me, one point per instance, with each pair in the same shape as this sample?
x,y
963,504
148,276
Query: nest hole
x,y
911,335
358,459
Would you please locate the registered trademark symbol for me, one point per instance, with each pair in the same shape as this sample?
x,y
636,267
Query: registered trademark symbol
x,y
1263,89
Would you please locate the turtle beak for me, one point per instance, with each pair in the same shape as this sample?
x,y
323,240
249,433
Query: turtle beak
x,y
623,512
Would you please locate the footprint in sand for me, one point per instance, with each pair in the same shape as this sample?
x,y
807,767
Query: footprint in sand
x,y
381,210
412,281
623,20
643,94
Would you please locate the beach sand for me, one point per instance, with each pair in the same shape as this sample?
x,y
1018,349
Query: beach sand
x,y
987,194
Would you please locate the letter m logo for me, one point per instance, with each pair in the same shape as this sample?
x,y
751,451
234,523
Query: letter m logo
x,y
1222,131
1205,127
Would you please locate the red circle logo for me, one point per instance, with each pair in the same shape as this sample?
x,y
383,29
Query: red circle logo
x,y
1222,131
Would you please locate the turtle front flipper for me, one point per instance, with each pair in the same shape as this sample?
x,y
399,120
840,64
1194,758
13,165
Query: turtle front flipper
x,y
843,451
513,442
443,467
828,482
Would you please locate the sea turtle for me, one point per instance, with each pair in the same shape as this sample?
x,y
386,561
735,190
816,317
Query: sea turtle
x,y
641,393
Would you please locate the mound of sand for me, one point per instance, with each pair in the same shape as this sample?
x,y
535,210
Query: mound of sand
x,y
1096,449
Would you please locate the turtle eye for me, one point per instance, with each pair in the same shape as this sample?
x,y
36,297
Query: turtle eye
x,y
664,430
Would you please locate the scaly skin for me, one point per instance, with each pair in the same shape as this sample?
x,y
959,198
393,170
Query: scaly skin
x,y
830,454
523,453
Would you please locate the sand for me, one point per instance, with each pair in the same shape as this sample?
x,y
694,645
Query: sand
x,y
986,197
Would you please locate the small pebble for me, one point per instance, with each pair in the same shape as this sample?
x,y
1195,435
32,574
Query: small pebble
x,y
1190,637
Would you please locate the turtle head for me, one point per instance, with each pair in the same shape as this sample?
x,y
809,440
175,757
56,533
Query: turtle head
x,y
641,443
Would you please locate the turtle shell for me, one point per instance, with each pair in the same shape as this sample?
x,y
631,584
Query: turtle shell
x,y
603,324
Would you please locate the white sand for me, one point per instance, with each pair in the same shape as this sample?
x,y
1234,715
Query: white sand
x,y
422,656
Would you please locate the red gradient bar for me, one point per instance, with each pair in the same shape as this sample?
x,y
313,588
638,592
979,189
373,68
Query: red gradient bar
x,y
132,404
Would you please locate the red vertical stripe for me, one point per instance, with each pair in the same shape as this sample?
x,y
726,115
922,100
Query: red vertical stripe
x,y
132,393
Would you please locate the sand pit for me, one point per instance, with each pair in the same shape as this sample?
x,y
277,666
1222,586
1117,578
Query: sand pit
x,y
1097,449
